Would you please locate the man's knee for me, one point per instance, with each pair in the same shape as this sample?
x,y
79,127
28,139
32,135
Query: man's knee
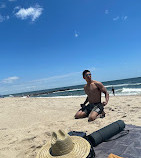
x,y
79,115
92,116
76,116
91,119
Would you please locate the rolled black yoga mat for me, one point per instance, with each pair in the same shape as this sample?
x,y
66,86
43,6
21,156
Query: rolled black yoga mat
x,y
106,133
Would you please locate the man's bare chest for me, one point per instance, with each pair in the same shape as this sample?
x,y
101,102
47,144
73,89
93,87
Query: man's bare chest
x,y
91,89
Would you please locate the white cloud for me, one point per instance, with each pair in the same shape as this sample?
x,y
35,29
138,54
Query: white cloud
x,y
2,18
31,12
116,18
2,5
73,78
124,18
106,11
17,7
10,79
76,34
7,17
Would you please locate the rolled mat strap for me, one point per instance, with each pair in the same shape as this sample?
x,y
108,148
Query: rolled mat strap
x,y
122,133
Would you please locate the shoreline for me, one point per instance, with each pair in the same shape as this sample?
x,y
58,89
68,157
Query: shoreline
x,y
80,96
27,123
86,95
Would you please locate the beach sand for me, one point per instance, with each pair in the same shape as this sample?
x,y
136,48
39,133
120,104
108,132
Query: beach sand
x,y
26,124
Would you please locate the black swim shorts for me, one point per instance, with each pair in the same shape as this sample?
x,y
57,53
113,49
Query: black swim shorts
x,y
97,107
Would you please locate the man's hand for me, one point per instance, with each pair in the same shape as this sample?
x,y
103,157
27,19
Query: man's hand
x,y
82,105
104,103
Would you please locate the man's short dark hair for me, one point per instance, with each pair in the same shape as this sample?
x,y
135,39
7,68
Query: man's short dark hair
x,y
84,72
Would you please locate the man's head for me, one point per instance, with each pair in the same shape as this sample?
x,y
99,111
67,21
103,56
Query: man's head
x,y
87,75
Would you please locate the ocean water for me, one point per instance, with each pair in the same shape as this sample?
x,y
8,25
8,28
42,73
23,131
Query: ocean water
x,y
131,86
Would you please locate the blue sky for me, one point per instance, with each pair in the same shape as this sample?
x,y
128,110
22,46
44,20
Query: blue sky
x,y
48,43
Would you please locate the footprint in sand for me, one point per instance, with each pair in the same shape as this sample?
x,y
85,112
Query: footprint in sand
x,y
124,116
47,133
132,110
3,128
29,139
13,142
111,109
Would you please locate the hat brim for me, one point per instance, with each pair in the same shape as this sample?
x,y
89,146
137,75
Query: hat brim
x,y
81,149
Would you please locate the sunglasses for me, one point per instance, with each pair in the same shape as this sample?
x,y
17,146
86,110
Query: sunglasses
x,y
88,75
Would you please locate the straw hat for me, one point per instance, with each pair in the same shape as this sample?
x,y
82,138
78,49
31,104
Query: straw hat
x,y
64,146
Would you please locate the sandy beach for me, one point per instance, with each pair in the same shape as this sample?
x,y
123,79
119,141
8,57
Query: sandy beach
x,y
26,124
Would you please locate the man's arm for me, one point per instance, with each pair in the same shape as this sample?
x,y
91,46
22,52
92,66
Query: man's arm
x,y
86,101
104,90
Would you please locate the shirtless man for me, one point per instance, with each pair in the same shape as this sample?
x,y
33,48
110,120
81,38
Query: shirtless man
x,y
93,89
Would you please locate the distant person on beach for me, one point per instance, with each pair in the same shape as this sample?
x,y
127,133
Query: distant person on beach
x,y
113,90
93,89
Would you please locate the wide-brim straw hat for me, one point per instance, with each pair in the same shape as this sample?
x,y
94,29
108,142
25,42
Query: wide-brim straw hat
x,y
64,146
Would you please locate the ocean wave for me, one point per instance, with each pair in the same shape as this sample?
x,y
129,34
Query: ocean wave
x,y
119,85
131,90
126,94
70,90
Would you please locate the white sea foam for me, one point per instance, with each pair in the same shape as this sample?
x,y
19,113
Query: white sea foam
x,y
119,85
131,90
118,90
126,94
